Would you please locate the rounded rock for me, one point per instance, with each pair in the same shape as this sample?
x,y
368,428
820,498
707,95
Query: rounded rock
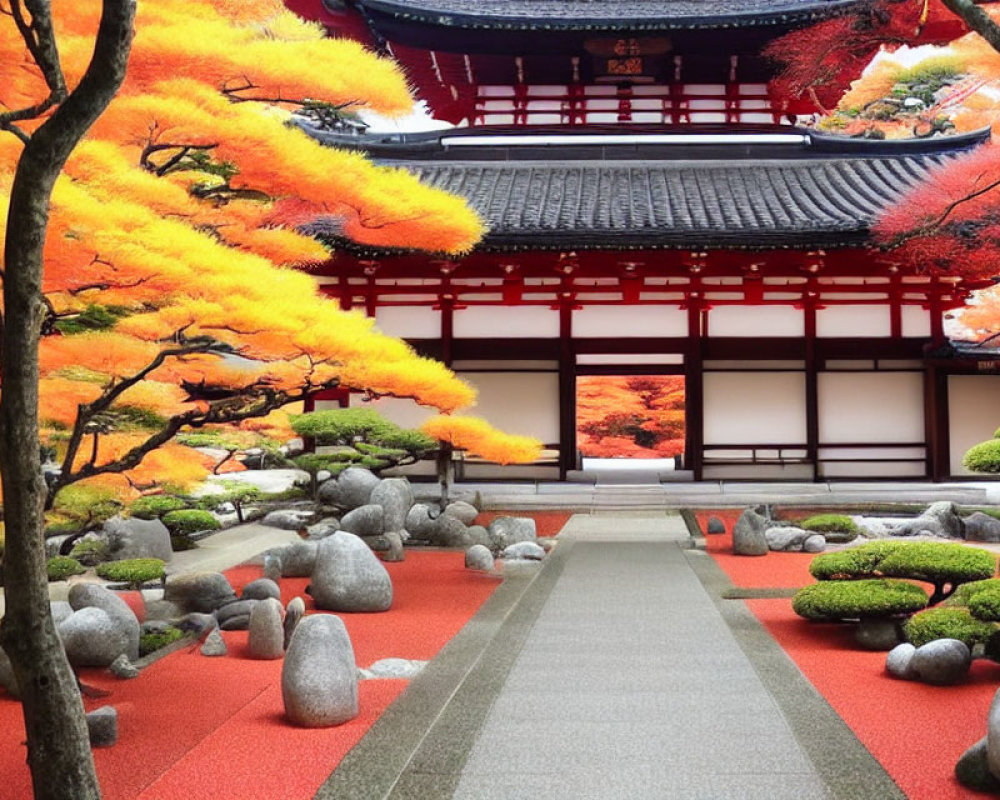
x,y
294,612
877,634
349,577
297,559
199,591
267,635
102,726
899,661
505,531
261,589
942,661
92,638
395,496
814,544
715,526
366,520
479,557
462,511
83,595
526,551
748,535
319,678
352,488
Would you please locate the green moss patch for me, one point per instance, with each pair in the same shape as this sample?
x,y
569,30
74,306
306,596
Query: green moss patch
x,y
133,571
947,623
842,600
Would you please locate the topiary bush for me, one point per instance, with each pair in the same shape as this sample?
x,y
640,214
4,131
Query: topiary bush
x,y
155,506
964,593
831,601
61,567
190,520
133,571
942,564
149,642
236,493
950,622
983,457
90,552
985,604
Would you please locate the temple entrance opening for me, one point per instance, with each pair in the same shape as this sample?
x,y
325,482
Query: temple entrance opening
x,y
630,421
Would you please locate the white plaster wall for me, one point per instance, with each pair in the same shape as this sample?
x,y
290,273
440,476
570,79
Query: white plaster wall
x,y
409,322
487,322
974,414
916,321
853,320
870,407
629,321
523,403
404,412
754,407
756,321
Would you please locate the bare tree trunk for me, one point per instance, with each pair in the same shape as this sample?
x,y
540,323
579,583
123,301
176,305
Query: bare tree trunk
x,y
58,745
445,471
977,20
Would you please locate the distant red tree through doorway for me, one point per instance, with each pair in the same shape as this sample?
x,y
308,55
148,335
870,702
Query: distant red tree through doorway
x,y
630,416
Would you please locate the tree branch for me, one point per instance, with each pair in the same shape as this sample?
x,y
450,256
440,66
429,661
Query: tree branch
x,y
977,20
930,227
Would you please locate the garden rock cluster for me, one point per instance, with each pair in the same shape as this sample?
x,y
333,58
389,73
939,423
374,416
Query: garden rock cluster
x,y
940,662
100,628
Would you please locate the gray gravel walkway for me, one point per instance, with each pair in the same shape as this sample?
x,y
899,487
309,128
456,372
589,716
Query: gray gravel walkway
x,y
616,671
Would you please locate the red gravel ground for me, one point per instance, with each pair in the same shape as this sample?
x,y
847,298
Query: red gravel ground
x,y
547,523
917,732
197,727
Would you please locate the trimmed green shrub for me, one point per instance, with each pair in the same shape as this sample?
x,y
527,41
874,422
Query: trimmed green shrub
x,y
983,457
947,623
149,642
133,571
236,493
190,520
86,504
843,600
90,552
964,593
939,563
155,506
985,604
829,523
61,567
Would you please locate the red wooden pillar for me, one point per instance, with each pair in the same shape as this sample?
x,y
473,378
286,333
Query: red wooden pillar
x,y
694,391
567,387
812,374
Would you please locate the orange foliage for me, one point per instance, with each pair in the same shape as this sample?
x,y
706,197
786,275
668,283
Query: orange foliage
x,y
630,416
479,438
172,233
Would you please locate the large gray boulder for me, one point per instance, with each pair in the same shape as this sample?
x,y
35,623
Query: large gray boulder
x,y
352,488
814,544
395,496
349,577
421,521
940,519
477,534
83,595
505,531
462,511
319,678
267,634
137,538
748,534
941,662
980,527
993,736
297,559
199,591
451,532
92,638
60,610
366,520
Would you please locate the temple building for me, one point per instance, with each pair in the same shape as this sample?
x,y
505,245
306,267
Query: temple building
x,y
654,210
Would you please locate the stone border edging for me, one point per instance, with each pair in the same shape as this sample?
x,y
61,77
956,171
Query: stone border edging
x,y
842,761
418,747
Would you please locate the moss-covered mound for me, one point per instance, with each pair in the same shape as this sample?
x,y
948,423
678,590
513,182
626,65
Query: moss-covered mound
x,y
951,622
133,571
964,593
190,520
155,506
148,642
842,600
985,604
835,527
945,565
61,567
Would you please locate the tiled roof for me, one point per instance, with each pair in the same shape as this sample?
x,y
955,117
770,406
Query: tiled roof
x,y
736,203
636,15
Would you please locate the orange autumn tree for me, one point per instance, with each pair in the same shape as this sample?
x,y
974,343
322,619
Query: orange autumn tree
x,y
165,308
151,218
638,416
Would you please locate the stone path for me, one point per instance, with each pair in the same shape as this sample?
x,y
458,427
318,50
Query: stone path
x,y
616,672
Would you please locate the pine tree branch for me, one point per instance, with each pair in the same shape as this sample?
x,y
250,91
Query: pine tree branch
x,y
977,20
